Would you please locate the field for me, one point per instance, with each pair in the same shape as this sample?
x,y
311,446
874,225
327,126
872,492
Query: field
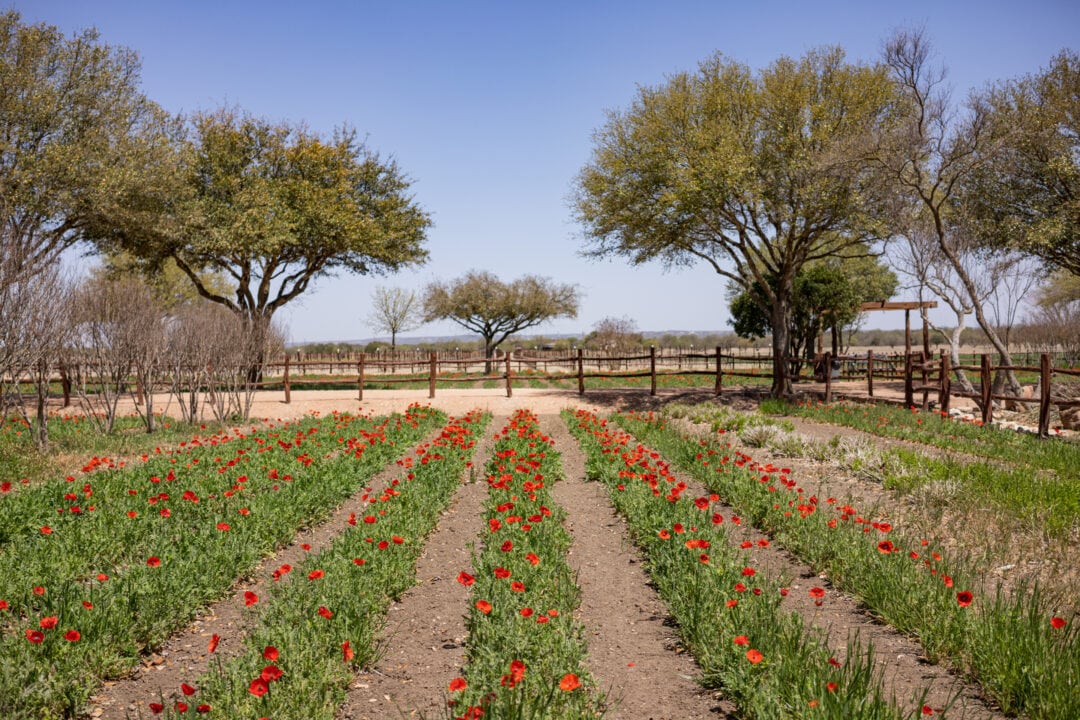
x,y
540,556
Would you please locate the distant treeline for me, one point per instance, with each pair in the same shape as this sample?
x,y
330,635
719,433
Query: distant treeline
x,y
860,338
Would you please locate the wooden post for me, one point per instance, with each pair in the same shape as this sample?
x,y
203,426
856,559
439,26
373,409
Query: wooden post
x,y
509,388
1044,394
288,391
431,380
652,368
907,336
986,389
943,397
827,361
924,357
719,373
360,376
870,373
909,392
581,371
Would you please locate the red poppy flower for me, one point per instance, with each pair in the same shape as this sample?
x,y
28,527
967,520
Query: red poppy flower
x,y
458,684
48,623
156,708
569,682
741,640
507,546
754,656
731,603
270,673
326,613
532,558
250,598
315,574
703,558
102,577
831,686
258,687
271,653
964,598
212,645
202,709
526,612
517,670
517,586
223,527
927,710
885,547
3,605
502,573
1057,623
383,545
483,606
663,535
46,530
749,572
187,689
465,578
397,539
153,561
817,592
305,547
35,636
347,653
359,561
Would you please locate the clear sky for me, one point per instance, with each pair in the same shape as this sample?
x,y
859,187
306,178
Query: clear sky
x,y
489,107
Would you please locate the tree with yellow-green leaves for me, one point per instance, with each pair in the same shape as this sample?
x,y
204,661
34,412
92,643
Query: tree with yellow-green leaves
x,y
755,174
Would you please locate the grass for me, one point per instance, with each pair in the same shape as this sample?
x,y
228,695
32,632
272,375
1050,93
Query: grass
x,y
729,614
137,550
1002,640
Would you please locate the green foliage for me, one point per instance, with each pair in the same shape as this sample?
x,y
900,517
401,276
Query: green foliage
x,y
78,136
481,302
755,175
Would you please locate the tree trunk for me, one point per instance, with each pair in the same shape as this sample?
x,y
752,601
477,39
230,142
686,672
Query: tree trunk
x,y
42,435
781,328
489,354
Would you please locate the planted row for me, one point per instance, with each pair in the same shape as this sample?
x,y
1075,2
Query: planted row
x,y
323,618
1027,658
729,614
525,650
121,604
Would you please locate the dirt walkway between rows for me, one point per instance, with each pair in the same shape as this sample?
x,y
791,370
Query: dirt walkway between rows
x,y
425,635
633,652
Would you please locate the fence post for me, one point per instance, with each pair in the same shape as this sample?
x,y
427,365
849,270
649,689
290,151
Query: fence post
x,y
580,371
509,389
431,380
909,391
870,373
719,373
360,376
1044,394
986,390
943,397
288,391
923,359
827,361
652,368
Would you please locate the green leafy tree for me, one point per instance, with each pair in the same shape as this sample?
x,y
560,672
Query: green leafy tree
x,y
76,135
1027,195
755,174
495,310
273,207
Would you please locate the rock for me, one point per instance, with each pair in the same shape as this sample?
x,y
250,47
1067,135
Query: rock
x,y
1070,418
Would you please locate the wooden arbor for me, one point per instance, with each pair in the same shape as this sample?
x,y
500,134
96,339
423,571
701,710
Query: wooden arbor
x,y
907,307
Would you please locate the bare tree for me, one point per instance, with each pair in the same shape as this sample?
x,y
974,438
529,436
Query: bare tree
x,y
925,156
395,310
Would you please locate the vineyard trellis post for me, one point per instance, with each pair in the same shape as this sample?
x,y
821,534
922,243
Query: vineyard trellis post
x,y
360,376
431,380
870,373
581,371
652,368
986,390
1044,394
719,372
288,392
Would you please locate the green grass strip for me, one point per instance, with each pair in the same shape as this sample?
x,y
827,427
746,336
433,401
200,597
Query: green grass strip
x,y
1027,660
525,650
327,621
729,615
185,560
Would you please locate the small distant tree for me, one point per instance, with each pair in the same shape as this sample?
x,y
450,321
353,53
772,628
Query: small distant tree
x,y
617,334
395,310
481,302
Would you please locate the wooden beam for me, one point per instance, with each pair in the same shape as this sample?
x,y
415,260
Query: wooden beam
x,y
883,305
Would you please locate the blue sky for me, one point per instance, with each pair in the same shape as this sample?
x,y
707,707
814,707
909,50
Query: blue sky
x,y
489,107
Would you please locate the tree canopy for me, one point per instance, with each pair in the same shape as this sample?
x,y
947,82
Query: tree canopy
x,y
76,134
1027,195
272,207
495,310
753,174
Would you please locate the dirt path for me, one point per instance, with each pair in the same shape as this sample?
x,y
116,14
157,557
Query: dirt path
x,y
632,650
185,656
425,634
